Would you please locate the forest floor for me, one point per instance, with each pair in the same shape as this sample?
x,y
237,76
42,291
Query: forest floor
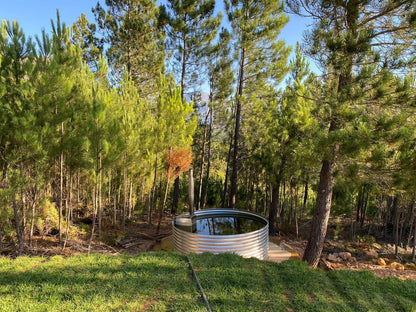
x,y
338,254
363,253
138,237
394,266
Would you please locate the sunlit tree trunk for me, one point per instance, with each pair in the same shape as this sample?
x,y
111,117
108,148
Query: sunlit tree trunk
x,y
152,200
68,209
234,172
32,221
227,171
123,217
17,223
61,182
209,158
320,218
201,171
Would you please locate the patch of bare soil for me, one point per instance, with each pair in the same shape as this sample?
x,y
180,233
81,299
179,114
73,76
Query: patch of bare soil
x,y
376,258
341,253
139,236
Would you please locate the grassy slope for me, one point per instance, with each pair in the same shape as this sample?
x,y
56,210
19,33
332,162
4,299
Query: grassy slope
x,y
251,285
163,282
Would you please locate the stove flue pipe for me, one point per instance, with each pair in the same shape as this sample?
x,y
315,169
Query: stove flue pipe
x,y
191,191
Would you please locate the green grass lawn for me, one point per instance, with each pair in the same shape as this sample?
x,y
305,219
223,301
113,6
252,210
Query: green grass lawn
x,y
163,282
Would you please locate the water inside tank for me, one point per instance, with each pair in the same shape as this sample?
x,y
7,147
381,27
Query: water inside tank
x,y
225,225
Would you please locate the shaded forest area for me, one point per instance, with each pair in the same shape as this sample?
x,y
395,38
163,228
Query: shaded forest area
x,y
101,120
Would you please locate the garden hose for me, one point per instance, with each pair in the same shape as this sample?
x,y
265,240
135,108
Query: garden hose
x,y
203,296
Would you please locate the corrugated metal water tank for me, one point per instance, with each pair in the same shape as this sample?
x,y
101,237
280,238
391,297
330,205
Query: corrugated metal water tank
x,y
200,233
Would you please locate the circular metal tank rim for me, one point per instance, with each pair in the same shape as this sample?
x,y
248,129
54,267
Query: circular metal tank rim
x,y
251,244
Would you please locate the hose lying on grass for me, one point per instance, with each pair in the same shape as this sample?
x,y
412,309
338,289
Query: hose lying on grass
x,y
203,296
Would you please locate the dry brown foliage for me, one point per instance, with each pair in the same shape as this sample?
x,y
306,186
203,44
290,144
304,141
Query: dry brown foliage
x,y
177,160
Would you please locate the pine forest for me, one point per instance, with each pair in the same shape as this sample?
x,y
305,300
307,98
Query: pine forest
x,y
103,121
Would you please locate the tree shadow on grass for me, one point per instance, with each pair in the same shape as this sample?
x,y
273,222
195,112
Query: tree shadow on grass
x,y
236,284
104,283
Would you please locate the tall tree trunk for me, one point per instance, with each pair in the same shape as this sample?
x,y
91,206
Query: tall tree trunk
x,y
130,198
68,210
32,222
305,199
412,220
123,217
201,171
234,172
396,224
389,202
408,218
258,191
78,185
115,202
94,216
282,211
17,224
152,201
360,203
109,188
352,230
183,69
99,193
142,193
291,203
250,190
364,210
320,218
274,205
296,212
61,182
265,200
61,177
163,206
376,215
227,170
175,199
24,204
209,157
176,185
119,196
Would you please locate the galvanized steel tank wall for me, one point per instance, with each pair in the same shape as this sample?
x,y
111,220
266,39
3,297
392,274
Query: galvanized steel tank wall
x,y
251,244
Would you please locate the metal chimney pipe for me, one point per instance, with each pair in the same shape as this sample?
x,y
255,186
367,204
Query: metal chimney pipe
x,y
191,191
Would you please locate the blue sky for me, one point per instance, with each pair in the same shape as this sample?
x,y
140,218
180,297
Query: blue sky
x,y
34,15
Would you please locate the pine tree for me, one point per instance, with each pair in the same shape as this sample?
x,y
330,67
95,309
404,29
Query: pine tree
x,y
174,123
20,145
281,124
190,27
135,121
347,41
131,30
221,81
57,61
84,33
102,129
261,59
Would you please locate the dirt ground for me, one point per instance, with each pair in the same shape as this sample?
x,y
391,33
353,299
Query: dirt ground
x,y
361,262
140,237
